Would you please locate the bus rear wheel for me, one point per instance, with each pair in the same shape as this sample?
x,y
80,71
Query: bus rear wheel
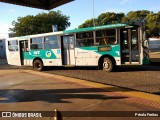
x,y
38,65
107,65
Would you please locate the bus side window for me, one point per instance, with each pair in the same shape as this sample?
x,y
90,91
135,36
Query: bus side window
x,y
51,42
100,37
13,45
106,37
111,36
36,43
85,39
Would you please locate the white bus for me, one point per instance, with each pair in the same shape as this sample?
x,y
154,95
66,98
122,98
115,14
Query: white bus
x,y
103,46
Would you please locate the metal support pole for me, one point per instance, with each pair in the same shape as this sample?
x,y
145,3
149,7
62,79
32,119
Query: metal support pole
x,y
93,15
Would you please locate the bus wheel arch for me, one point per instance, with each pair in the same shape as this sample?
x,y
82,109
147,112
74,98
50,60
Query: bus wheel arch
x,y
106,63
38,64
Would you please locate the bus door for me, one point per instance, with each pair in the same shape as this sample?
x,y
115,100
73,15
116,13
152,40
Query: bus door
x,y
24,52
13,53
68,50
130,52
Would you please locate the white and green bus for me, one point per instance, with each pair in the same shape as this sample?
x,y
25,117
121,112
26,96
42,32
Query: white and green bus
x,y
105,46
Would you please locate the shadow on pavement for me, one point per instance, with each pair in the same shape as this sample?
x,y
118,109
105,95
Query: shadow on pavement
x,y
152,67
138,68
117,69
11,67
54,95
157,93
129,68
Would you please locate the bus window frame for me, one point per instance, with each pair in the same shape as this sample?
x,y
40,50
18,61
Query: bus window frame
x,y
30,44
58,42
117,34
17,44
78,44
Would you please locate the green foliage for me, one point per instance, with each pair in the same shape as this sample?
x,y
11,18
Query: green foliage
x,y
137,15
88,23
41,23
152,20
153,24
109,18
104,18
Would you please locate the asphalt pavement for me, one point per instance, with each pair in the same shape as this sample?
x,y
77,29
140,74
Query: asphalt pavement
x,y
28,90
140,78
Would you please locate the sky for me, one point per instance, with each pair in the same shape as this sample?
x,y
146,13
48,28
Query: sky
x,y
78,11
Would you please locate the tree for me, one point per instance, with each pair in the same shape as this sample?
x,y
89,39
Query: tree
x,y
137,15
88,23
152,20
109,18
41,23
153,24
104,18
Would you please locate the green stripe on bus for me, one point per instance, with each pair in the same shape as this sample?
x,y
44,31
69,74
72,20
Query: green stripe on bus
x,y
95,28
43,54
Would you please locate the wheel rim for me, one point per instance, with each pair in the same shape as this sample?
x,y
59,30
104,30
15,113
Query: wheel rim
x,y
38,65
106,65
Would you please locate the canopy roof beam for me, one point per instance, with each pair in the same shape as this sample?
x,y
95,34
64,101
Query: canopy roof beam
x,y
41,4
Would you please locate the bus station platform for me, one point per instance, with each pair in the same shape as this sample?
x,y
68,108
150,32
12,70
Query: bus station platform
x,y
28,90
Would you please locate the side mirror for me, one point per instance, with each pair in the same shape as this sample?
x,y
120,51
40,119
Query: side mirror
x,y
145,43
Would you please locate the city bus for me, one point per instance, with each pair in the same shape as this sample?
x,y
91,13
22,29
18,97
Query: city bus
x,y
104,46
154,50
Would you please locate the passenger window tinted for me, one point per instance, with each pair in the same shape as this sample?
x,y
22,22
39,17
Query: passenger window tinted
x,y
106,37
13,45
51,42
36,43
84,39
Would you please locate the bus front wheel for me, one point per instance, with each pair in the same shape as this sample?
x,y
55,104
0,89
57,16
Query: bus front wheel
x,y
38,65
107,65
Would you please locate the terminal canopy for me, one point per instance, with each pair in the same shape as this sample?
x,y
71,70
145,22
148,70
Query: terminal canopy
x,y
42,4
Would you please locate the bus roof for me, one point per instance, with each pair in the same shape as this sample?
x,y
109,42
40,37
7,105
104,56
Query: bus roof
x,y
36,35
96,28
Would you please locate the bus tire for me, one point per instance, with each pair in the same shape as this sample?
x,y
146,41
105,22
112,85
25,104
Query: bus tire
x,y
107,65
38,65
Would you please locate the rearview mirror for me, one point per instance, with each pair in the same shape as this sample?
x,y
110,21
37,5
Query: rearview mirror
x,y
145,43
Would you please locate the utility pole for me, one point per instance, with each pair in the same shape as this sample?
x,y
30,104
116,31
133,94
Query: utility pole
x,y
93,15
